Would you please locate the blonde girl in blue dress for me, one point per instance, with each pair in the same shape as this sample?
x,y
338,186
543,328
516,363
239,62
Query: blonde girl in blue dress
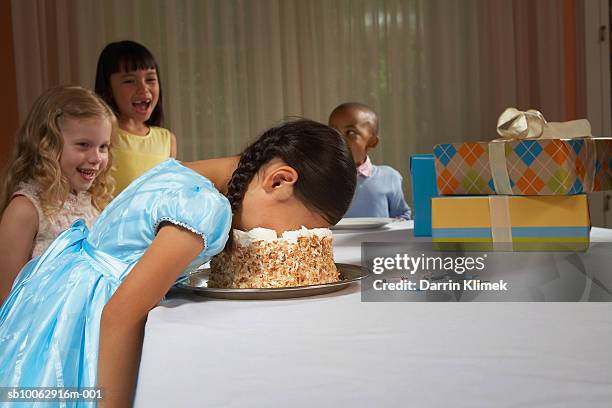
x,y
75,316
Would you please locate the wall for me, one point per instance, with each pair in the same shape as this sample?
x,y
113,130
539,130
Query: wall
x,y
8,102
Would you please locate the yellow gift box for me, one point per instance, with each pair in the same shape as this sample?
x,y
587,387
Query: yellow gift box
x,y
511,223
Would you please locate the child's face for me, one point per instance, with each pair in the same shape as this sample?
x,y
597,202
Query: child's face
x,y
85,151
136,93
358,131
269,202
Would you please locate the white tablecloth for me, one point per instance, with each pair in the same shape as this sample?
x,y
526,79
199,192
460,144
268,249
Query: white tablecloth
x,y
335,351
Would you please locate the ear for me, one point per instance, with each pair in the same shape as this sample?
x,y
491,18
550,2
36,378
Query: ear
x,y
280,180
373,142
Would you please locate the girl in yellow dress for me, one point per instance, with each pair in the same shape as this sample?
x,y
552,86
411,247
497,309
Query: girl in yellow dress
x,y
127,78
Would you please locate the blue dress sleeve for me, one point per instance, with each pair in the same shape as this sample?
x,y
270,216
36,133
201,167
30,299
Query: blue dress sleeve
x,y
200,209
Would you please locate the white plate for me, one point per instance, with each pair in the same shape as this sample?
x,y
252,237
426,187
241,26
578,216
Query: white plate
x,y
361,223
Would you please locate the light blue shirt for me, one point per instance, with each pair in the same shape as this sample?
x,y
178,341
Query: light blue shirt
x,y
379,195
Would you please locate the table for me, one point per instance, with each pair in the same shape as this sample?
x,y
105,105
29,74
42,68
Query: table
x,y
336,351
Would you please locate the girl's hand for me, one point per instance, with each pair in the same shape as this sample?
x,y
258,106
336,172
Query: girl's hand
x,y
124,316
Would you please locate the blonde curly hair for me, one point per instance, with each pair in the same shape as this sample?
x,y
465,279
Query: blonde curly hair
x,y
39,144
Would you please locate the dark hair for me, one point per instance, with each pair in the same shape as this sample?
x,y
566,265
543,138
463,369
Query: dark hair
x,y
319,154
124,56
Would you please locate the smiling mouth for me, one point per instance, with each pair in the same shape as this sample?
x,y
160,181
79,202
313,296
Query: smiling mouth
x,y
142,105
88,173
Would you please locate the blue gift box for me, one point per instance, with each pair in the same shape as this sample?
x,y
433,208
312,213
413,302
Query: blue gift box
x,y
423,174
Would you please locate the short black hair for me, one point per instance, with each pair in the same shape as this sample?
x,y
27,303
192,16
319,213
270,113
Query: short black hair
x,y
357,106
125,56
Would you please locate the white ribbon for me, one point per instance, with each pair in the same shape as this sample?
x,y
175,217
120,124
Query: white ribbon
x,y
501,224
514,124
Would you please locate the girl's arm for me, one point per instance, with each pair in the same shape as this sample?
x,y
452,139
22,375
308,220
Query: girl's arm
x,y
172,145
219,171
18,229
124,316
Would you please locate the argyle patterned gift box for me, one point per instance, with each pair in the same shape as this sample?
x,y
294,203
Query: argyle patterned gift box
x,y
534,166
603,165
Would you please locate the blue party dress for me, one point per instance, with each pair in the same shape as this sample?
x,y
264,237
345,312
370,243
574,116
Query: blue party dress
x,y
50,322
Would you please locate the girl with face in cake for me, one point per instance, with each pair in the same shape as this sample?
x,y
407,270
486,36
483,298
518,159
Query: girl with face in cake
x,y
75,316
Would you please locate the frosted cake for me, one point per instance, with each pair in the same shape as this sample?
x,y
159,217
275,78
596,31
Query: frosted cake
x,y
260,259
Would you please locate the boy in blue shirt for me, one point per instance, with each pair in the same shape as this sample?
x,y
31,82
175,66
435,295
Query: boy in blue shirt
x,y
379,188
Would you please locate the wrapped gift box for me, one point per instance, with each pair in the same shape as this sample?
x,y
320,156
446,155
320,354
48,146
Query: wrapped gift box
x,y
423,176
511,222
603,165
534,167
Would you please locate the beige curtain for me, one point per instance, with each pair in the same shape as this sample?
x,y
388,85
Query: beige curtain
x,y
435,70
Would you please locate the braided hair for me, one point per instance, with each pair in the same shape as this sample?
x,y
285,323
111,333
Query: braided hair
x,y
318,153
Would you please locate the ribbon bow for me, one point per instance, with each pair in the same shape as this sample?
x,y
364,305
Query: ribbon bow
x,y
515,124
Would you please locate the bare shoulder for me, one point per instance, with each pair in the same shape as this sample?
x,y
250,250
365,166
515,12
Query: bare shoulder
x,y
22,209
20,218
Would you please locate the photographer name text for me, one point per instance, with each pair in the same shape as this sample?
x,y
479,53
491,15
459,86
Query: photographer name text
x,y
427,285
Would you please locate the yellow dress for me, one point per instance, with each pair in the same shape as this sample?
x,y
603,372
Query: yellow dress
x,y
135,154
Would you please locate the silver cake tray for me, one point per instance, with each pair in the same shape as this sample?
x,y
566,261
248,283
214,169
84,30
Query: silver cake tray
x,y
196,283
